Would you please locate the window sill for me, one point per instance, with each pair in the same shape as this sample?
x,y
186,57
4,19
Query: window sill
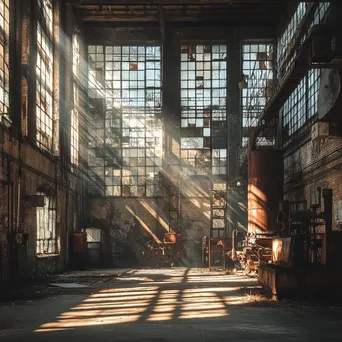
x,y
47,256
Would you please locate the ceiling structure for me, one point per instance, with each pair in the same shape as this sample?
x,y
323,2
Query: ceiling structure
x,y
232,12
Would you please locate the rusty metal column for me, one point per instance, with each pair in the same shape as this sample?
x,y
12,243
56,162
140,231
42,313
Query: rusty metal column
x,y
265,189
234,124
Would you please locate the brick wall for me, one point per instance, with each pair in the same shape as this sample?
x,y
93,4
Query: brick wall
x,y
38,168
128,224
316,163
24,167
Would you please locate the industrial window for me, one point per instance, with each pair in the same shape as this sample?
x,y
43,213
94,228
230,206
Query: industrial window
x,y
203,109
96,72
260,141
294,110
44,70
290,30
4,71
285,42
321,12
76,103
95,125
128,78
46,227
302,104
313,91
257,69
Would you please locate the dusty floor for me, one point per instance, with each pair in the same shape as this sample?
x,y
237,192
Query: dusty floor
x,y
162,306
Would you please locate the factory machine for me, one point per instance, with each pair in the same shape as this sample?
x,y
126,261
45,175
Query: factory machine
x,y
265,189
305,230
290,245
306,253
171,246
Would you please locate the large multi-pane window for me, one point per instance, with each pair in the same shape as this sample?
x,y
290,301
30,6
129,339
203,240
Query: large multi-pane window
x,y
74,136
313,91
285,41
302,104
294,110
128,80
204,109
290,30
4,70
44,70
257,69
95,124
321,12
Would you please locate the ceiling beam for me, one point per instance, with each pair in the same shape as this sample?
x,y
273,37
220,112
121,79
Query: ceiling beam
x,y
176,2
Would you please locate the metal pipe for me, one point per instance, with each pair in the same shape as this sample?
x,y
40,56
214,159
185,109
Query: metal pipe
x,y
328,217
233,243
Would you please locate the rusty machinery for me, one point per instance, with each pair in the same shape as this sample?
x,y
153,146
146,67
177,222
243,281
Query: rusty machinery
x,y
171,246
215,251
256,249
302,239
306,232
265,172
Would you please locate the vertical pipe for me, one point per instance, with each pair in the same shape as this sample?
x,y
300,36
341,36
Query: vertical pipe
x,y
9,226
13,265
328,217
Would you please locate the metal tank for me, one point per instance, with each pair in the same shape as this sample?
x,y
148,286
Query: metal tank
x,y
265,189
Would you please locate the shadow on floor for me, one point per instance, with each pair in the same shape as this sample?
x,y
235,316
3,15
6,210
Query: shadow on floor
x,y
169,305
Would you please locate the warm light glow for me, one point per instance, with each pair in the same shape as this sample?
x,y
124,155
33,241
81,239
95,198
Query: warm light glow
x,y
77,323
145,289
160,317
203,314
122,298
107,305
257,213
155,215
143,224
256,193
155,303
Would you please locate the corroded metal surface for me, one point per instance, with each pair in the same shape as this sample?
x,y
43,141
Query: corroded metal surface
x,y
265,189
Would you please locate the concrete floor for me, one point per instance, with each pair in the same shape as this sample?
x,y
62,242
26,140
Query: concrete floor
x,y
150,305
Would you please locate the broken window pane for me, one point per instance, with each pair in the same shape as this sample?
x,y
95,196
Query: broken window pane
x,y
258,71
133,84
203,100
4,58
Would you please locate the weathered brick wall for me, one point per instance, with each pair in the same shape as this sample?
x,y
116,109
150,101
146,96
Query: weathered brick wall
x,y
38,168
129,223
316,163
